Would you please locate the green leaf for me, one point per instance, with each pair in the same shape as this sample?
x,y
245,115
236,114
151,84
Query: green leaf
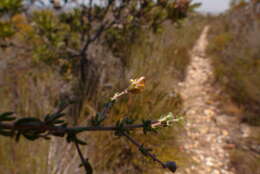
x,y
144,150
101,116
58,121
31,128
54,119
73,138
128,120
147,126
6,133
7,116
28,121
50,118
47,118
120,127
31,136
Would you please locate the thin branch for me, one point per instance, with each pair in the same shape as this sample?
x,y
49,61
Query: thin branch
x,y
146,152
118,95
82,21
104,25
63,130
90,17
83,161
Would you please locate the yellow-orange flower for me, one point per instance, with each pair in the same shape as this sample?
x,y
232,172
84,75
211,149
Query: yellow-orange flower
x,y
137,85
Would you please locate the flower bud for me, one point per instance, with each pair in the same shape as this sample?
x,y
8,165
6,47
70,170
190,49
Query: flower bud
x,y
137,85
171,165
166,120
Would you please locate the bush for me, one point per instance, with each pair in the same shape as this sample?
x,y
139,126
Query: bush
x,y
234,44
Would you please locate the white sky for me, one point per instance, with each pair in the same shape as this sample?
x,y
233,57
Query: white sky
x,y
213,6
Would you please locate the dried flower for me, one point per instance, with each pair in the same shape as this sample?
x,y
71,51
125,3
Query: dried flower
x,y
167,120
137,85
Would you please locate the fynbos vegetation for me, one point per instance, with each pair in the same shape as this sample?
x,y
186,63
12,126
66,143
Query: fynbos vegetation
x,y
53,125
69,53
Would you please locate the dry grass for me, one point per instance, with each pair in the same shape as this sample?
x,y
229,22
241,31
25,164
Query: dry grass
x,y
27,90
234,49
32,89
245,162
163,59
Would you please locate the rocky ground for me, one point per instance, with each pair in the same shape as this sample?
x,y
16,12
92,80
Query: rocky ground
x,y
207,130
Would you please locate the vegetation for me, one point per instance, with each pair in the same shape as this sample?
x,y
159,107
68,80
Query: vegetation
x,y
234,49
33,128
54,56
61,60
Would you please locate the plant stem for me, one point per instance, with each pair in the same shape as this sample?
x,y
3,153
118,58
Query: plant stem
x,y
146,152
60,129
81,158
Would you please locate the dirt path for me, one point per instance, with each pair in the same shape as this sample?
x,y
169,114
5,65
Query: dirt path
x,y
204,140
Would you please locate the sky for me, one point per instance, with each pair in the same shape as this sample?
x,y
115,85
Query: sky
x,y
208,6
213,6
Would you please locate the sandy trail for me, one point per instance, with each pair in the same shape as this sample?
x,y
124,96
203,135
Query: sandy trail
x,y
204,139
